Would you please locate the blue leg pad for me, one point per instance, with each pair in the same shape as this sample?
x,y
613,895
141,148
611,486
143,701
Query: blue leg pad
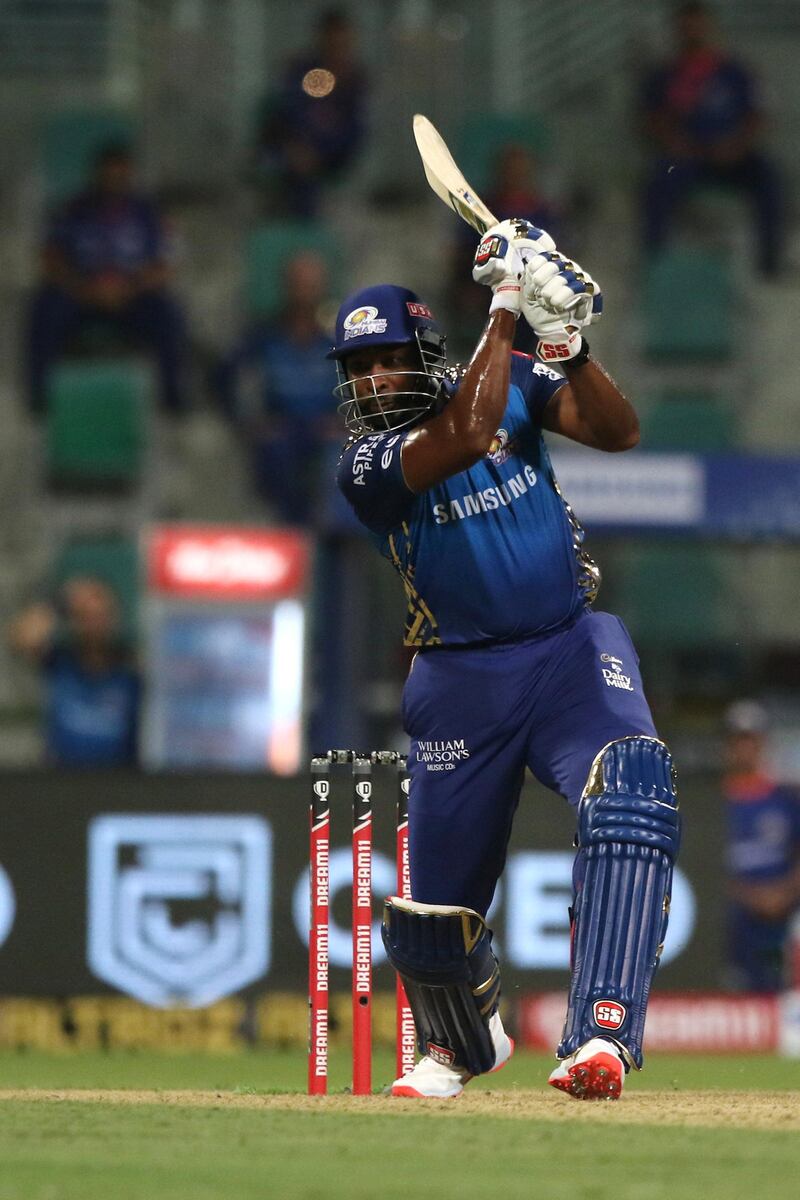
x,y
444,957
628,838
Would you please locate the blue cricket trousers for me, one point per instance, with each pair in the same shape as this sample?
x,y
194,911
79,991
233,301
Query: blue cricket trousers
x,y
478,716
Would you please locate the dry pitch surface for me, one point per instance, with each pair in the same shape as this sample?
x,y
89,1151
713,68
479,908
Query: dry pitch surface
x,y
774,1111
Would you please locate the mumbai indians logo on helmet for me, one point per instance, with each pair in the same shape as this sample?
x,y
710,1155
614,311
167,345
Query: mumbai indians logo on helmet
x,y
363,320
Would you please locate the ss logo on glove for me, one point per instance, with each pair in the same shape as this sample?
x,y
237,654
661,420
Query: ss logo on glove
x,y
553,351
490,247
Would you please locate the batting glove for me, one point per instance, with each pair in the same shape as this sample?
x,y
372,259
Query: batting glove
x,y
562,286
498,265
529,239
559,338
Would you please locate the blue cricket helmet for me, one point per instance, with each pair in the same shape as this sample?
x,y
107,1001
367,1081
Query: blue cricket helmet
x,y
381,315
386,315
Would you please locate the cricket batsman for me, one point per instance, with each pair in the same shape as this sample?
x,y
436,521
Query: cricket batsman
x,y
447,468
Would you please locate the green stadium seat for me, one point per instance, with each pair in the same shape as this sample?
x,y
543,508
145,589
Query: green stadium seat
x,y
113,559
482,135
688,420
269,248
687,299
96,424
674,595
70,141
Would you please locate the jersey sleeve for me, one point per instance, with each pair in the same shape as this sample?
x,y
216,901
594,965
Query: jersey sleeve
x,y
537,382
370,476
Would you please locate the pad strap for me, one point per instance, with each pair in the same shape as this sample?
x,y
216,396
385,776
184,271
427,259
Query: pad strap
x,y
628,838
443,955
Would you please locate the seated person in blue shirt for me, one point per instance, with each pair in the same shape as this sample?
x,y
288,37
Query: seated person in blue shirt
x,y
91,688
705,124
763,854
312,126
106,260
286,421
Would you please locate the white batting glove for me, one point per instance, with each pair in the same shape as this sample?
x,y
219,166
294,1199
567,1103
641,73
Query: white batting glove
x,y
559,334
559,300
498,265
559,337
562,286
529,239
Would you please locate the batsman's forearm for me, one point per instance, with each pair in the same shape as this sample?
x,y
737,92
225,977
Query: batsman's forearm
x,y
602,407
478,406
459,436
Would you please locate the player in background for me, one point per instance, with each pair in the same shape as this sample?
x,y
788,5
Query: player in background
x,y
448,470
763,854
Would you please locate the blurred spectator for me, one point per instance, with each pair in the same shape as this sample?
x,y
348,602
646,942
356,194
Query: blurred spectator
x,y
763,854
91,688
705,122
293,415
514,192
106,261
313,126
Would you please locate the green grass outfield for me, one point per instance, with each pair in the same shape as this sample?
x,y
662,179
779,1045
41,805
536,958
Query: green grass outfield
x,y
197,1127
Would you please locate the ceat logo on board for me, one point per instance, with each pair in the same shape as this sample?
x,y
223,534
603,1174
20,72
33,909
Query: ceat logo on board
x,y
220,561
608,1014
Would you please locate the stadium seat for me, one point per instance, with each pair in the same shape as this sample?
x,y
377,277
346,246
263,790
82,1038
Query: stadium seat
x,y
70,141
674,595
96,421
687,299
483,134
688,420
111,558
268,249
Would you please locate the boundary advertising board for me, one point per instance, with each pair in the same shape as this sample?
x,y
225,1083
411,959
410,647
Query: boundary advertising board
x,y
186,889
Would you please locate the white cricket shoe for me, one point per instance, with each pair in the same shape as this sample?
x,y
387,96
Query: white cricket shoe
x,y
434,1081
594,1072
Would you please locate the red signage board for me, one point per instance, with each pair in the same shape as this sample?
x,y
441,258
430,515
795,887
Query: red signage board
x,y
683,1023
227,562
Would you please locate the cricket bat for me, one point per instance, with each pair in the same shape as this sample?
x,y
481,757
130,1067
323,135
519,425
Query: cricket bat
x,y
450,185
445,178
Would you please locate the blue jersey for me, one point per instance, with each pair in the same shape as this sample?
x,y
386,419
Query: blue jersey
x,y
491,554
709,97
96,234
763,828
91,717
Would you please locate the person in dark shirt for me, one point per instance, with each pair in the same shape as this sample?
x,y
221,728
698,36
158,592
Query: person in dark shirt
x,y
92,690
289,423
106,260
313,126
705,124
763,854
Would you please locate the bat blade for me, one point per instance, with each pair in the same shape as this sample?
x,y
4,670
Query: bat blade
x,y
445,178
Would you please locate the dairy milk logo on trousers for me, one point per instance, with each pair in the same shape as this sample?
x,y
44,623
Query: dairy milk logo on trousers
x,y
179,905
